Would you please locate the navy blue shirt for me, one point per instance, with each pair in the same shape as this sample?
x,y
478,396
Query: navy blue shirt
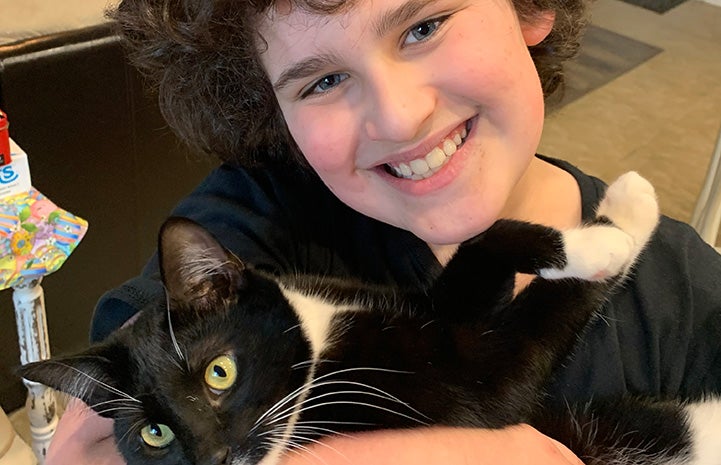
x,y
659,334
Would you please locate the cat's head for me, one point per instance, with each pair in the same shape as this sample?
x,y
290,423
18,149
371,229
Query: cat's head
x,y
192,380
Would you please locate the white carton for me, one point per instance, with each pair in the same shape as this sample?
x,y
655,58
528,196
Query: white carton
x,y
15,176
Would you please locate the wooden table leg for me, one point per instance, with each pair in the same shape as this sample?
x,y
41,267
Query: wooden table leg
x,y
29,302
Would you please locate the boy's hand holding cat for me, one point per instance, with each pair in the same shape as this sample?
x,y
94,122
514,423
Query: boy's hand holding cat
x,y
85,438
519,444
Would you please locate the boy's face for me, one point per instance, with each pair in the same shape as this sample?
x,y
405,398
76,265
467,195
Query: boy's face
x,y
370,94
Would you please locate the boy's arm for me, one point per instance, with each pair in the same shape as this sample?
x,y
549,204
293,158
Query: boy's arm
x,y
514,445
85,438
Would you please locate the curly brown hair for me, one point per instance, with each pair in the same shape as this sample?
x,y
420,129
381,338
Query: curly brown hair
x,y
202,58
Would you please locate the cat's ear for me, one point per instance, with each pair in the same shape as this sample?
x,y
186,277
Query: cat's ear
x,y
197,270
89,376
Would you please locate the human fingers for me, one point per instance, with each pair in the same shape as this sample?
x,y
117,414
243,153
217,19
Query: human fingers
x,y
537,448
83,438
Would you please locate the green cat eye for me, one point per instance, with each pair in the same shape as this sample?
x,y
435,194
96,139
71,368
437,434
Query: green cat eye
x,y
221,373
157,435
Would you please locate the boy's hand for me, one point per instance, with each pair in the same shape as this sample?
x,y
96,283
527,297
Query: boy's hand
x,y
516,445
83,438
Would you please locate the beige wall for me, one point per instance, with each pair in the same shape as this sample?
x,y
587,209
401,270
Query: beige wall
x,y
20,19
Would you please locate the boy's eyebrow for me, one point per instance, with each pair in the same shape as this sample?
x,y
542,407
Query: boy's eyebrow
x,y
386,22
303,69
391,19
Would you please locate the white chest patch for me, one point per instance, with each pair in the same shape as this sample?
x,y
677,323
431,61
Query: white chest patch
x,y
315,315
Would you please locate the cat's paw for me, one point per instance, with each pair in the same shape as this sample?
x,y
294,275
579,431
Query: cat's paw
x,y
600,251
593,253
631,204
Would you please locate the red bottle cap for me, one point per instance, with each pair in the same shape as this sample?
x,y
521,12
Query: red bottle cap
x,y
4,139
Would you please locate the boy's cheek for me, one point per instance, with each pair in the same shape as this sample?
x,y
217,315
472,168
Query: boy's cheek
x,y
327,140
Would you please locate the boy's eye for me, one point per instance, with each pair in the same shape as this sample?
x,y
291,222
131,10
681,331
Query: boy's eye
x,y
423,31
325,84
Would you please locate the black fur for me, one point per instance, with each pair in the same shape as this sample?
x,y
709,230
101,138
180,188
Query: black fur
x,y
464,352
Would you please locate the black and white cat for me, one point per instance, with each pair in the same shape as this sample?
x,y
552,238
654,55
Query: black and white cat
x,y
239,366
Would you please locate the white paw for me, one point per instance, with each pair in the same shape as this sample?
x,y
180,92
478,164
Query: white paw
x,y
594,253
597,252
630,202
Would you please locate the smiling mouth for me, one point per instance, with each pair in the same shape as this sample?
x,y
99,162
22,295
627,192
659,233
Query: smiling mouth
x,y
424,167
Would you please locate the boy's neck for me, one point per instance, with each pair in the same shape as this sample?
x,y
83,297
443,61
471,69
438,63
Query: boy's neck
x,y
546,194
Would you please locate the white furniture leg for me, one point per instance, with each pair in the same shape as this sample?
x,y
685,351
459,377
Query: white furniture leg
x,y
29,302
707,214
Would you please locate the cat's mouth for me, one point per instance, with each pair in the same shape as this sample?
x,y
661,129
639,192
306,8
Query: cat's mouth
x,y
433,161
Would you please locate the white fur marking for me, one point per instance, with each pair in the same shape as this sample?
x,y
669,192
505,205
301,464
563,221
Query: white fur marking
x,y
705,424
315,315
599,251
594,253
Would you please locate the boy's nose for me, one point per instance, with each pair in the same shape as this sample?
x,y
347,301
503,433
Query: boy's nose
x,y
398,106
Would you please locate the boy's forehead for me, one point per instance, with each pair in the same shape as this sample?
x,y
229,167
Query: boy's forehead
x,y
289,25
320,8
299,15
296,17
292,33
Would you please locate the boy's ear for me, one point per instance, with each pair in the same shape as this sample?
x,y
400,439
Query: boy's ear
x,y
536,29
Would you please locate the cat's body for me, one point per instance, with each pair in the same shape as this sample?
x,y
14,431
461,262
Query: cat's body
x,y
244,365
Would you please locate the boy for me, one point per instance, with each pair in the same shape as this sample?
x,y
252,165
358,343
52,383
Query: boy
x,y
385,132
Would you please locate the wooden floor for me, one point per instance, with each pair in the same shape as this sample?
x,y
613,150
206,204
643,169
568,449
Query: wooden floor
x,y
662,116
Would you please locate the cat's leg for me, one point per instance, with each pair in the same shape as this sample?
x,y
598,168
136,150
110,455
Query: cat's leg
x,y
637,431
532,333
626,219
547,316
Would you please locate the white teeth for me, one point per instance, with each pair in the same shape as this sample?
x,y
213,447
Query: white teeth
x,y
438,156
425,167
449,148
419,166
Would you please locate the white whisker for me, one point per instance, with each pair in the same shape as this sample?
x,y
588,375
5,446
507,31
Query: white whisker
x,y
100,383
362,404
132,429
117,409
379,393
170,329
314,429
321,422
302,364
294,446
314,383
111,401
287,444
297,392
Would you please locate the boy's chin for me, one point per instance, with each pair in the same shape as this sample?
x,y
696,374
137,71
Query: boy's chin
x,y
451,234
